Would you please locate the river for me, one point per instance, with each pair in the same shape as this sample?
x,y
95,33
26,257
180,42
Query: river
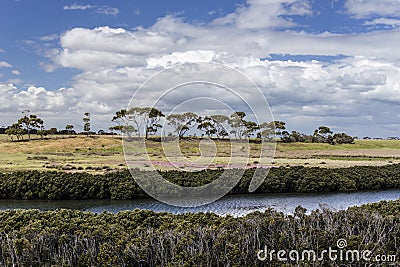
x,y
235,205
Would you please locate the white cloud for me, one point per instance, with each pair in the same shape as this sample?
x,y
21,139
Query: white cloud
x,y
299,8
106,10
106,38
35,98
384,21
5,64
261,14
368,8
313,92
16,72
50,37
175,58
249,31
15,81
87,49
78,7
115,61
52,106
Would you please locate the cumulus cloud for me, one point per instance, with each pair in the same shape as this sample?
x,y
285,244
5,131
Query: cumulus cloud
x,y
16,72
35,98
312,92
340,89
104,46
87,49
5,64
352,92
175,58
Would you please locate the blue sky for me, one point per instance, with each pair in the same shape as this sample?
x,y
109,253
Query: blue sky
x,y
331,62
32,20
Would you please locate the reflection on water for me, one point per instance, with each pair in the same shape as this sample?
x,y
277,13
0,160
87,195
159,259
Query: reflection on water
x,y
235,205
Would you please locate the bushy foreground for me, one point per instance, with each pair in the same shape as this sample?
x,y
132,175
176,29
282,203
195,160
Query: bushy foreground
x,y
146,238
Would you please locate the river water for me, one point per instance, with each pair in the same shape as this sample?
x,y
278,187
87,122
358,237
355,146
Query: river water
x,y
235,205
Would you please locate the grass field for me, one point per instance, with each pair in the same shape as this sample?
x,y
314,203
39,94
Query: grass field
x,y
105,153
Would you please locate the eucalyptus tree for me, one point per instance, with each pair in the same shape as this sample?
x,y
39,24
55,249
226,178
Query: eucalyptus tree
x,y
30,122
267,131
279,126
69,128
251,127
237,123
16,130
138,117
153,118
120,117
86,123
221,125
206,125
323,135
182,123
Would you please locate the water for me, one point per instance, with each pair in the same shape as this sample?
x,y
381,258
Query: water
x,y
235,205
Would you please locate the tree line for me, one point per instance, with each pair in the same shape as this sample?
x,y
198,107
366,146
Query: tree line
x,y
146,121
219,126
31,124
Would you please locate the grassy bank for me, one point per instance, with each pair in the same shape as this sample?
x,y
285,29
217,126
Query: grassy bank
x,y
121,185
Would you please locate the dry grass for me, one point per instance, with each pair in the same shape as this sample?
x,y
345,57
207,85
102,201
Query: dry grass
x,y
105,153
63,145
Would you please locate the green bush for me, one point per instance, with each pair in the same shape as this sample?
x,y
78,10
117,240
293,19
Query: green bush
x,y
121,185
146,238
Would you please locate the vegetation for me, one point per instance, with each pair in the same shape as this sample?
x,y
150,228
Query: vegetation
x,y
86,123
321,135
69,128
218,126
15,130
148,120
121,185
99,154
146,238
25,125
182,122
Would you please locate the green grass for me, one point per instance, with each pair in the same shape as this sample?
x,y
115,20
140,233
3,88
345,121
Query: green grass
x,y
354,158
359,144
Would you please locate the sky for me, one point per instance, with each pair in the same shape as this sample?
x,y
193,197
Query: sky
x,y
317,62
